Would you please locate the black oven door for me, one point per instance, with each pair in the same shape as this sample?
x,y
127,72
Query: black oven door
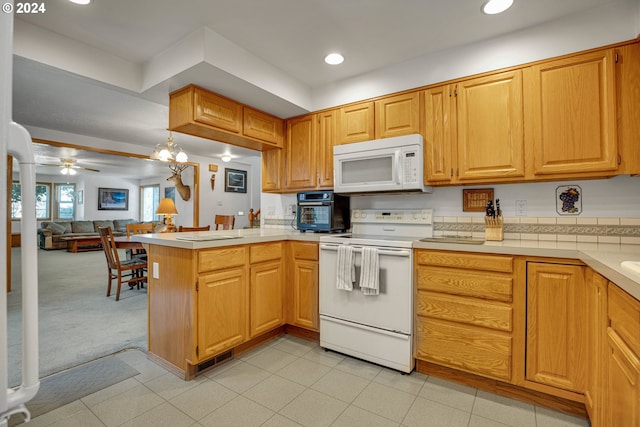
x,y
315,216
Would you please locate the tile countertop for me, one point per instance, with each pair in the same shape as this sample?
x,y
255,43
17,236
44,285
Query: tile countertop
x,y
603,258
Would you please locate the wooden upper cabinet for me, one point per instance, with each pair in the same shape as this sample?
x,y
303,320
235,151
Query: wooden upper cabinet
x,y
262,126
356,123
272,164
301,148
218,111
199,112
397,115
439,134
572,111
326,141
490,135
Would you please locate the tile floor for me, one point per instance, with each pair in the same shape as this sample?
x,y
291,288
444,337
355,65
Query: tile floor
x,y
293,382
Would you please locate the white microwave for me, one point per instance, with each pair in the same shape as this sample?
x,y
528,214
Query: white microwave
x,y
382,165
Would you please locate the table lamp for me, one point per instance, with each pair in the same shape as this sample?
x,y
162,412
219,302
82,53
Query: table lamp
x,y
167,208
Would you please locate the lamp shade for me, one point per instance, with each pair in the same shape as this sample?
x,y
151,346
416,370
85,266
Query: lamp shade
x,y
166,207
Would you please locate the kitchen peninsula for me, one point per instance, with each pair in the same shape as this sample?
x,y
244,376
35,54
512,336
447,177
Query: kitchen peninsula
x,y
211,299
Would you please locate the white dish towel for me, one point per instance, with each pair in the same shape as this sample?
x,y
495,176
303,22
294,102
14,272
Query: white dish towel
x,y
346,268
370,272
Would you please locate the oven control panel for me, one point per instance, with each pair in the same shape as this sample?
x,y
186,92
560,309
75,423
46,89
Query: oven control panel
x,y
392,216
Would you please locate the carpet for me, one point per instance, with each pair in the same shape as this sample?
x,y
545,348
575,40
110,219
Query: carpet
x,y
73,384
77,322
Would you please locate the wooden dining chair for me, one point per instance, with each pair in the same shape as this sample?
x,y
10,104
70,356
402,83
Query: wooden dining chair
x,y
129,271
226,221
142,228
181,228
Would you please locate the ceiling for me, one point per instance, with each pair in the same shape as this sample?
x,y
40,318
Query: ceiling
x,y
105,70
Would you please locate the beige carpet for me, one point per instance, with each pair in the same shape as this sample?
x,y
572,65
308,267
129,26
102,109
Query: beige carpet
x,y
77,322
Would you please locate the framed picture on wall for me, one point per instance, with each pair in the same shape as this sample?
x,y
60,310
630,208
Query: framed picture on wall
x,y
170,193
235,181
113,199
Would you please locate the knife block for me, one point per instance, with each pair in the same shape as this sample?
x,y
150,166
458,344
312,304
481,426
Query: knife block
x,y
494,229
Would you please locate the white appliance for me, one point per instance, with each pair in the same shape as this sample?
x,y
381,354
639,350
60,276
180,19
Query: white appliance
x,y
382,165
377,328
16,141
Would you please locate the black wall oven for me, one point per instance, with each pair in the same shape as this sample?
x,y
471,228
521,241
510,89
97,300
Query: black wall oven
x,y
322,211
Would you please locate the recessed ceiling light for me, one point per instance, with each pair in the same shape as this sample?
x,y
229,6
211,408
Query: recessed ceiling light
x,y
334,59
491,7
80,1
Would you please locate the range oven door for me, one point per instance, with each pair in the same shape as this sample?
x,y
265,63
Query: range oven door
x,y
391,310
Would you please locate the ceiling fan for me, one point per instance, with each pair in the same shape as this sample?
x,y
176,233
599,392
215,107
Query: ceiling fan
x,y
68,166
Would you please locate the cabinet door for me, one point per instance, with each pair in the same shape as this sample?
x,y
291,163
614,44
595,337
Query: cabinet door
x,y
596,327
217,111
573,114
397,115
556,336
305,294
264,127
490,140
355,123
622,395
222,311
271,169
266,296
326,141
439,134
301,151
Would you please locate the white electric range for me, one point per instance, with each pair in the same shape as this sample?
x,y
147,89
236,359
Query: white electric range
x,y
377,328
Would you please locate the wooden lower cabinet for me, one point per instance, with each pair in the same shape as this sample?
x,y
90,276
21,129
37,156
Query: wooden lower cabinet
x,y
303,286
596,325
464,312
556,336
266,292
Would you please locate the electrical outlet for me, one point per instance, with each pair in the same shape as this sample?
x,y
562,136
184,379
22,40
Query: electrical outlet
x,y
156,270
292,209
521,208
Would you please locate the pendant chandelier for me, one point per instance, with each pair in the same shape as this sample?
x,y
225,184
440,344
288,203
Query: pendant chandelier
x,y
169,152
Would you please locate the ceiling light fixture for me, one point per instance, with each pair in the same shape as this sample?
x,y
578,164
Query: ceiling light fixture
x,y
169,152
226,158
334,59
82,2
492,7
68,170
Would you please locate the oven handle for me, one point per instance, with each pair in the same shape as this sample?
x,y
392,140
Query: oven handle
x,y
358,249
314,203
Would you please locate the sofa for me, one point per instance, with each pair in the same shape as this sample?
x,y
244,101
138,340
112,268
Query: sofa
x,y
51,234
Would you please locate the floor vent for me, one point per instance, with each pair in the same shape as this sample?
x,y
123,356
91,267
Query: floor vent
x,y
214,361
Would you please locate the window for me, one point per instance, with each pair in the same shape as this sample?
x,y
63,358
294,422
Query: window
x,y
43,200
149,199
65,201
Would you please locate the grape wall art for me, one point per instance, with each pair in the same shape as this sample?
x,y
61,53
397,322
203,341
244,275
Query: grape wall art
x,y
569,200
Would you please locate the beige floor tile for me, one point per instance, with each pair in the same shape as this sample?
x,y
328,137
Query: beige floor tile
x,y
203,399
408,383
320,355
294,345
341,385
240,412
503,409
148,371
314,409
164,415
109,392
271,359
356,417
359,367
241,377
84,418
279,421
303,371
214,372
169,385
477,421
275,392
448,393
126,406
427,413
56,415
385,401
550,418
131,357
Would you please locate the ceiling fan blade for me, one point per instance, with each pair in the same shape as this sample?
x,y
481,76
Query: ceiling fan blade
x,y
50,164
87,169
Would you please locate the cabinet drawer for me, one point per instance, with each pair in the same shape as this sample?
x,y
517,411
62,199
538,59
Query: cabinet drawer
x,y
465,310
460,282
624,312
499,263
217,259
308,251
265,252
472,350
